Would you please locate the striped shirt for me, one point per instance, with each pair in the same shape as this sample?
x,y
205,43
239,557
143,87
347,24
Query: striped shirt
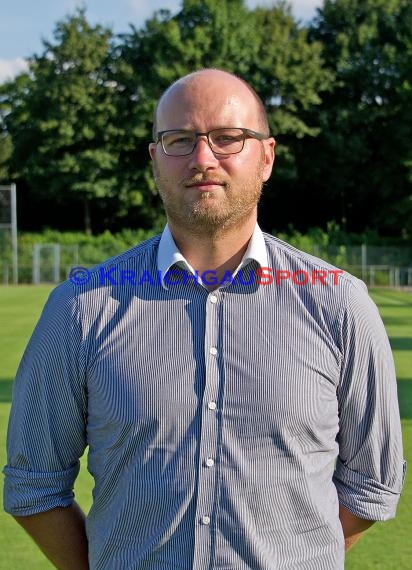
x,y
224,427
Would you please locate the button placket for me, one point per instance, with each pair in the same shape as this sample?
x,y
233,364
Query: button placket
x,y
206,488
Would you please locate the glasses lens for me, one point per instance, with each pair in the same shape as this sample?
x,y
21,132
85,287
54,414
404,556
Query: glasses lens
x,y
226,141
178,143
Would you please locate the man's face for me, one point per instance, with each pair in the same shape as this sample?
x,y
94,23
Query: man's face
x,y
205,192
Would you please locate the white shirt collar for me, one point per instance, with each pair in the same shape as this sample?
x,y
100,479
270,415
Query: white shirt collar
x,y
168,253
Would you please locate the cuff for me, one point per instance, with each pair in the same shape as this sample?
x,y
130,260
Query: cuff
x,y
366,497
28,493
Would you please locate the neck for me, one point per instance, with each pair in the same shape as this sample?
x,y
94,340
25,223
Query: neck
x,y
220,252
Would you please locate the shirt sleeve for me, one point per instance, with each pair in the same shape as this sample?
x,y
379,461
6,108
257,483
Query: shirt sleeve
x,y
370,468
47,433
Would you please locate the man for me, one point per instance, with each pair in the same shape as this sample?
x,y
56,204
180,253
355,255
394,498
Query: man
x,y
236,418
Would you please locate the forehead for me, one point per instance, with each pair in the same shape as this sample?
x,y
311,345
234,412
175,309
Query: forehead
x,y
207,101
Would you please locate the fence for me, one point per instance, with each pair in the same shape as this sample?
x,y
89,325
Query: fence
x,y
42,263
378,266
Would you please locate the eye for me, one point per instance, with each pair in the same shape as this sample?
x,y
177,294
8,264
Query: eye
x,y
178,139
224,138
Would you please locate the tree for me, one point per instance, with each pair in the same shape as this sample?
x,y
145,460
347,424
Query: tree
x,y
5,154
61,118
360,165
80,121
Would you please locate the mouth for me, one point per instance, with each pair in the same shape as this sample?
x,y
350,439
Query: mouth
x,y
205,185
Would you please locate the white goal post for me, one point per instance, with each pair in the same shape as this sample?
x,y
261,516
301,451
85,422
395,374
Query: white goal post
x,y
8,221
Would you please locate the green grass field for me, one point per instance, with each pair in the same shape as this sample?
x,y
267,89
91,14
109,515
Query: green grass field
x,y
386,546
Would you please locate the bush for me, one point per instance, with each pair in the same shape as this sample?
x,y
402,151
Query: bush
x,y
90,249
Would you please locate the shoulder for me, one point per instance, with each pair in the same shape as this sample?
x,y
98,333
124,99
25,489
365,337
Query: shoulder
x,y
322,288
285,256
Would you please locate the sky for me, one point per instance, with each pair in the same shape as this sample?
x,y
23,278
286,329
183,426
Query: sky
x,y
25,23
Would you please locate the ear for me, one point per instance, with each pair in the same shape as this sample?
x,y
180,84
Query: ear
x,y
269,157
152,150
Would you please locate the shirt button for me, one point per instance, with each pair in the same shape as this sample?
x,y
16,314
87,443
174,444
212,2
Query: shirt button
x,y
213,299
211,405
205,520
213,350
209,462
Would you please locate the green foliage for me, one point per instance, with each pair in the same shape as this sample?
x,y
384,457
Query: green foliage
x,y
92,249
317,242
62,118
81,120
334,235
74,131
6,149
264,46
361,162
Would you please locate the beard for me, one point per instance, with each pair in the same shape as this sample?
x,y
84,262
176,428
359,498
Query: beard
x,y
210,213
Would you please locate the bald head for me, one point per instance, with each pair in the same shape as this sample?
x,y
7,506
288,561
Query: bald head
x,y
222,82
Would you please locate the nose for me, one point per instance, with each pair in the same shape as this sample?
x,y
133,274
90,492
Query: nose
x,y
202,157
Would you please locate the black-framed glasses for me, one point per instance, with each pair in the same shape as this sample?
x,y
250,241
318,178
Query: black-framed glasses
x,y
227,140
